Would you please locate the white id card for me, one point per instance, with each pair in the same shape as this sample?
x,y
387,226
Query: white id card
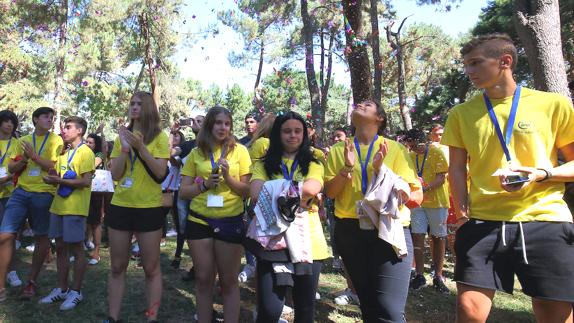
x,y
128,182
214,200
3,172
34,171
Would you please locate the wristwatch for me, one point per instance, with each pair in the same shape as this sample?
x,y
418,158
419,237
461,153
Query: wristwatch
x,y
547,177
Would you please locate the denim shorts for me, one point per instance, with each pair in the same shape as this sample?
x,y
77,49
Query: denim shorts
x,y
71,228
23,204
423,218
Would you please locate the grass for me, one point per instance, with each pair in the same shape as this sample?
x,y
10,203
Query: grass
x,y
178,301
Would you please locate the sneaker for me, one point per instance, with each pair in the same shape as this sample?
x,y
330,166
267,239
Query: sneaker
x,y
3,295
136,248
175,263
347,297
438,283
94,261
72,258
89,245
72,300
17,244
30,248
28,291
286,310
56,295
413,274
317,296
418,282
190,276
247,273
13,279
171,233
28,233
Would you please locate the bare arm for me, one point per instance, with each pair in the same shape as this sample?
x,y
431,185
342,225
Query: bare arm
x,y
457,175
254,189
188,188
118,166
17,166
311,188
83,181
437,182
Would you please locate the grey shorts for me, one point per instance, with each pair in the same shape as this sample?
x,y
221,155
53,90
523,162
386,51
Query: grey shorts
x,y
71,228
423,218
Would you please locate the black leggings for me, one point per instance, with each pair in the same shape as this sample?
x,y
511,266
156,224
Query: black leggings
x,y
380,278
271,298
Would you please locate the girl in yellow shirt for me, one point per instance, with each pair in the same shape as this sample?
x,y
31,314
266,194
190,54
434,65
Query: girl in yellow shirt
x,y
136,207
216,180
380,278
289,157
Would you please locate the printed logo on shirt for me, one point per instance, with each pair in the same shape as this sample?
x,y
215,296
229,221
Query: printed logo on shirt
x,y
526,127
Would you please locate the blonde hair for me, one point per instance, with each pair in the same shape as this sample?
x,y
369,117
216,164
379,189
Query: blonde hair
x,y
263,128
149,117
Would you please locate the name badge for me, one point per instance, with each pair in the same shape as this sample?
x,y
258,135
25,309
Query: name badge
x,y
128,182
3,172
214,200
34,171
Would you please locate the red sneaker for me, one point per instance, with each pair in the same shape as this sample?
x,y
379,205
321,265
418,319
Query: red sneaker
x,y
28,291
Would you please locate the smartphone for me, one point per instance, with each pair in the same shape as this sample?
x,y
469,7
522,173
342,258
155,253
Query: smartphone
x,y
516,179
185,122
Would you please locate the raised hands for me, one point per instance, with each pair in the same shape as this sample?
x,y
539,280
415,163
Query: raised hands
x,y
349,153
380,156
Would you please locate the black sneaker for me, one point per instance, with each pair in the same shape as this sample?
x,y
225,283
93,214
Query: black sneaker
x,y
190,276
175,263
438,283
413,274
418,282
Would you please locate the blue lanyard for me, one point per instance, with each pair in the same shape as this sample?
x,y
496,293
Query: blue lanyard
x,y
509,126
6,152
213,164
364,174
132,161
288,175
420,171
70,158
43,143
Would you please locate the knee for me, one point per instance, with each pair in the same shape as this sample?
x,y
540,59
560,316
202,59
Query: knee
x,y
229,286
118,269
152,271
468,310
60,248
6,238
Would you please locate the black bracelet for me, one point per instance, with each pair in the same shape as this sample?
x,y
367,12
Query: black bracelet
x,y
548,175
203,187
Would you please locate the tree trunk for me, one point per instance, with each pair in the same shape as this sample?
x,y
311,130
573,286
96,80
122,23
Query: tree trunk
x,y
357,55
327,84
405,113
375,47
139,78
256,97
60,62
316,114
537,23
144,23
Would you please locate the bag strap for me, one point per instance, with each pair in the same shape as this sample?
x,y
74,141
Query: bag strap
x,y
149,172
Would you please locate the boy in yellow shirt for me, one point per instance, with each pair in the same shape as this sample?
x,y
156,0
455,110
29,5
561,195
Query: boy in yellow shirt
x,y
431,167
515,221
32,198
69,211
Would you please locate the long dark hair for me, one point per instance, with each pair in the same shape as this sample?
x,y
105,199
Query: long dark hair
x,y
97,141
205,137
274,155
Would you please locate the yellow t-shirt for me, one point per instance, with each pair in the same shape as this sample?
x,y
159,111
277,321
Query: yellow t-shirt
x,y
435,163
318,242
144,192
397,160
199,165
318,154
31,178
544,122
258,149
78,203
6,189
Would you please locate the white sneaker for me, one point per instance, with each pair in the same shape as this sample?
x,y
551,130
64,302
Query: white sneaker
x,y
93,261
89,245
72,300
30,248
247,273
13,279
346,298
171,233
317,296
56,295
17,244
136,248
72,258
286,310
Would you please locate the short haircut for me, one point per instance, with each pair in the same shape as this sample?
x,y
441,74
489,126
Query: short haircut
x,y
436,126
7,115
40,111
79,122
416,135
341,129
499,44
252,115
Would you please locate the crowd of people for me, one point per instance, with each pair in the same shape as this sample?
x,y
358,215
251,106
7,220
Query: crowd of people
x,y
494,177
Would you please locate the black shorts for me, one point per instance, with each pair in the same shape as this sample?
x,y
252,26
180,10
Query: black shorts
x,y
545,267
135,219
233,230
96,205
